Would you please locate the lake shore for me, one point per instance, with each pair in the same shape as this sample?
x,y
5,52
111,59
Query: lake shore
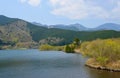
x,y
92,63
113,67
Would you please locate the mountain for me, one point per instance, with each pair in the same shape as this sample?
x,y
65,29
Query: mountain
x,y
79,27
108,26
13,29
14,32
17,32
39,24
5,20
75,27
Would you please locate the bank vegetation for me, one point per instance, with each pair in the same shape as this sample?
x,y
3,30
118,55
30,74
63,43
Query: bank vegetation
x,y
104,54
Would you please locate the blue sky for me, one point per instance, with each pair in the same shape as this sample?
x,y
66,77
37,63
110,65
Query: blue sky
x,y
89,13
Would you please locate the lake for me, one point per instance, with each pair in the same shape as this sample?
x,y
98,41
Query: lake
x,y
47,64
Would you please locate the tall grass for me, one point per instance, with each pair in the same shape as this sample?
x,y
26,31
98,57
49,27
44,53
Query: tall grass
x,y
103,51
49,47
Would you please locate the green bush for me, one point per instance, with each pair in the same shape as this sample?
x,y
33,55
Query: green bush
x,y
69,48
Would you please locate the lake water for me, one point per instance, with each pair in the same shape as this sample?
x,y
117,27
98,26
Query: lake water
x,y
47,64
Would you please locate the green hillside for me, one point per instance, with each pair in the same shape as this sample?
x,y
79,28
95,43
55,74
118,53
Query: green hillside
x,y
16,31
68,36
6,20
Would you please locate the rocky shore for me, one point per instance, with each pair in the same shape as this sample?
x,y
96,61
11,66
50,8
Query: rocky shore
x,y
112,67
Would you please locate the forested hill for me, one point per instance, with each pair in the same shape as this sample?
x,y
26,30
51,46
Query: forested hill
x,y
69,36
14,30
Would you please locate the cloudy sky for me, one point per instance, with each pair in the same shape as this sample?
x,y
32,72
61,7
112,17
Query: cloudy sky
x,y
89,13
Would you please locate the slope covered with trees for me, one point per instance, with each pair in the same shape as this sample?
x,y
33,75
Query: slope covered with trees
x,y
13,30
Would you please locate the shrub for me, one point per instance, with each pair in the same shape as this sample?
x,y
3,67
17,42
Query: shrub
x,y
102,50
49,47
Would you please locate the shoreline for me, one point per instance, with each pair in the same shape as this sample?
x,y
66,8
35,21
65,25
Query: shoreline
x,y
95,65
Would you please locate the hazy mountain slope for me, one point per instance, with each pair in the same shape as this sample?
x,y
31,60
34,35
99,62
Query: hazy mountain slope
x,y
108,26
66,27
39,24
74,27
79,27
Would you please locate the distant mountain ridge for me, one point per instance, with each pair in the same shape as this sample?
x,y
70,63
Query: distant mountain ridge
x,y
39,24
79,27
75,27
108,26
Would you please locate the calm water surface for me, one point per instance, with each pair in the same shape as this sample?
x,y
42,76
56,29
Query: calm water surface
x,y
47,64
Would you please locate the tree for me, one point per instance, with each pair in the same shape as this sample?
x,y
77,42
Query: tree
x,y
76,42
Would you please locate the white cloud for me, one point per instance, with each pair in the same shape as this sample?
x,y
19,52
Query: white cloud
x,y
81,9
69,8
34,3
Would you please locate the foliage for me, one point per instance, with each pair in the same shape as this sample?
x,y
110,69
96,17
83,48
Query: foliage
x,y
77,41
49,47
26,45
102,60
70,48
51,41
39,33
104,51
